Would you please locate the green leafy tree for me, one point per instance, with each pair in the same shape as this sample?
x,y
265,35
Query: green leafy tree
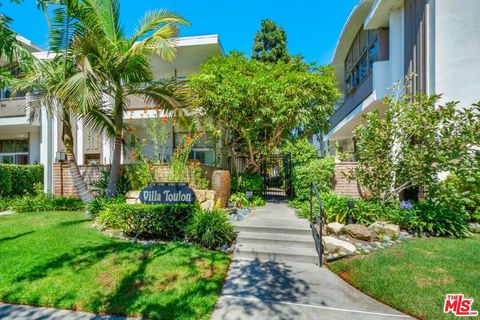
x,y
255,106
114,66
270,43
417,139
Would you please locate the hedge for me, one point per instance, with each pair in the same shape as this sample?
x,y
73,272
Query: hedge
x,y
19,180
148,221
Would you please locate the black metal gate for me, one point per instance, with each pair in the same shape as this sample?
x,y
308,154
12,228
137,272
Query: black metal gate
x,y
277,174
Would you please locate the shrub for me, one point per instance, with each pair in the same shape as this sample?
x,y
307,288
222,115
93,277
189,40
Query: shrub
x,y
210,229
320,171
435,218
5,181
247,182
22,179
99,203
241,200
100,186
5,203
138,175
46,203
336,209
301,151
158,221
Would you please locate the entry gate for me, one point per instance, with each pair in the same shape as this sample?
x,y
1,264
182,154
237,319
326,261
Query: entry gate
x,y
277,176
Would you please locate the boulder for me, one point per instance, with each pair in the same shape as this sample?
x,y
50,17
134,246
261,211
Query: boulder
x,y
474,227
208,205
380,227
335,227
200,195
359,231
133,194
332,244
210,194
132,201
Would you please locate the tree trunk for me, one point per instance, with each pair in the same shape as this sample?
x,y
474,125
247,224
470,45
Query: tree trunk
x,y
117,147
78,182
115,169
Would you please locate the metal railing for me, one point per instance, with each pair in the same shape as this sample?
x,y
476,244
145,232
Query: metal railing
x,y
317,210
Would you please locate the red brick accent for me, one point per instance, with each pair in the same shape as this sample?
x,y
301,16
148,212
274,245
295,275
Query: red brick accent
x,y
343,186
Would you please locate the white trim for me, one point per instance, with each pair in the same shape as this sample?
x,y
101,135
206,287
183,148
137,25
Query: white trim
x,y
355,113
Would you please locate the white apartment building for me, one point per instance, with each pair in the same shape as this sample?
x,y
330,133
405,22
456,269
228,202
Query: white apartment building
x,y
385,40
22,142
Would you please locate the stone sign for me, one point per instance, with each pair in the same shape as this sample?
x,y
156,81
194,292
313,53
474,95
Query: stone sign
x,y
167,193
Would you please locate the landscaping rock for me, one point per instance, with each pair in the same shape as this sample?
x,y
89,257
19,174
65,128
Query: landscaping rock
x,y
207,205
359,231
200,195
386,238
405,235
344,238
133,194
210,194
332,244
380,227
132,201
335,228
474,227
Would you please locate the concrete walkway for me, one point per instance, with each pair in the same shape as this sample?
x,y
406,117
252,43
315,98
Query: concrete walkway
x,y
277,287
19,312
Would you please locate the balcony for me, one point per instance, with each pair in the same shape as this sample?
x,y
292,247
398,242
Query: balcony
x,y
353,100
13,107
375,85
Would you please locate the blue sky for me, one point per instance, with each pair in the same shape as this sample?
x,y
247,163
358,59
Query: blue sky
x,y
312,26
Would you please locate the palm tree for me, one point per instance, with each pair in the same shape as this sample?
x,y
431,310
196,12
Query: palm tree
x,y
119,65
43,80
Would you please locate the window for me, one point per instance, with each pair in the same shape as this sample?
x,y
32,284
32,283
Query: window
x,y
92,159
14,151
360,58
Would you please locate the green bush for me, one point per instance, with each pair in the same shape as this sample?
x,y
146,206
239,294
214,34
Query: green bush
x,y
247,182
99,203
138,175
5,203
320,171
5,181
336,209
148,221
19,180
433,217
301,151
100,186
210,229
240,198
43,202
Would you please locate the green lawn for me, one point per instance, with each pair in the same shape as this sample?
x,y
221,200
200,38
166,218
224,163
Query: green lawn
x,y
415,276
57,259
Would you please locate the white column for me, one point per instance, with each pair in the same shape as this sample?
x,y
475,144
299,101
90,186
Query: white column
x,y
79,152
34,147
107,150
46,149
396,49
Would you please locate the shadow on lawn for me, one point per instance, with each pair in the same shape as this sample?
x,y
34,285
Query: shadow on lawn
x,y
16,236
131,292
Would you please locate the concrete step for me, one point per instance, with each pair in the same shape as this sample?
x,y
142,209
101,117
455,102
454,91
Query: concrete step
x,y
286,240
275,253
277,226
